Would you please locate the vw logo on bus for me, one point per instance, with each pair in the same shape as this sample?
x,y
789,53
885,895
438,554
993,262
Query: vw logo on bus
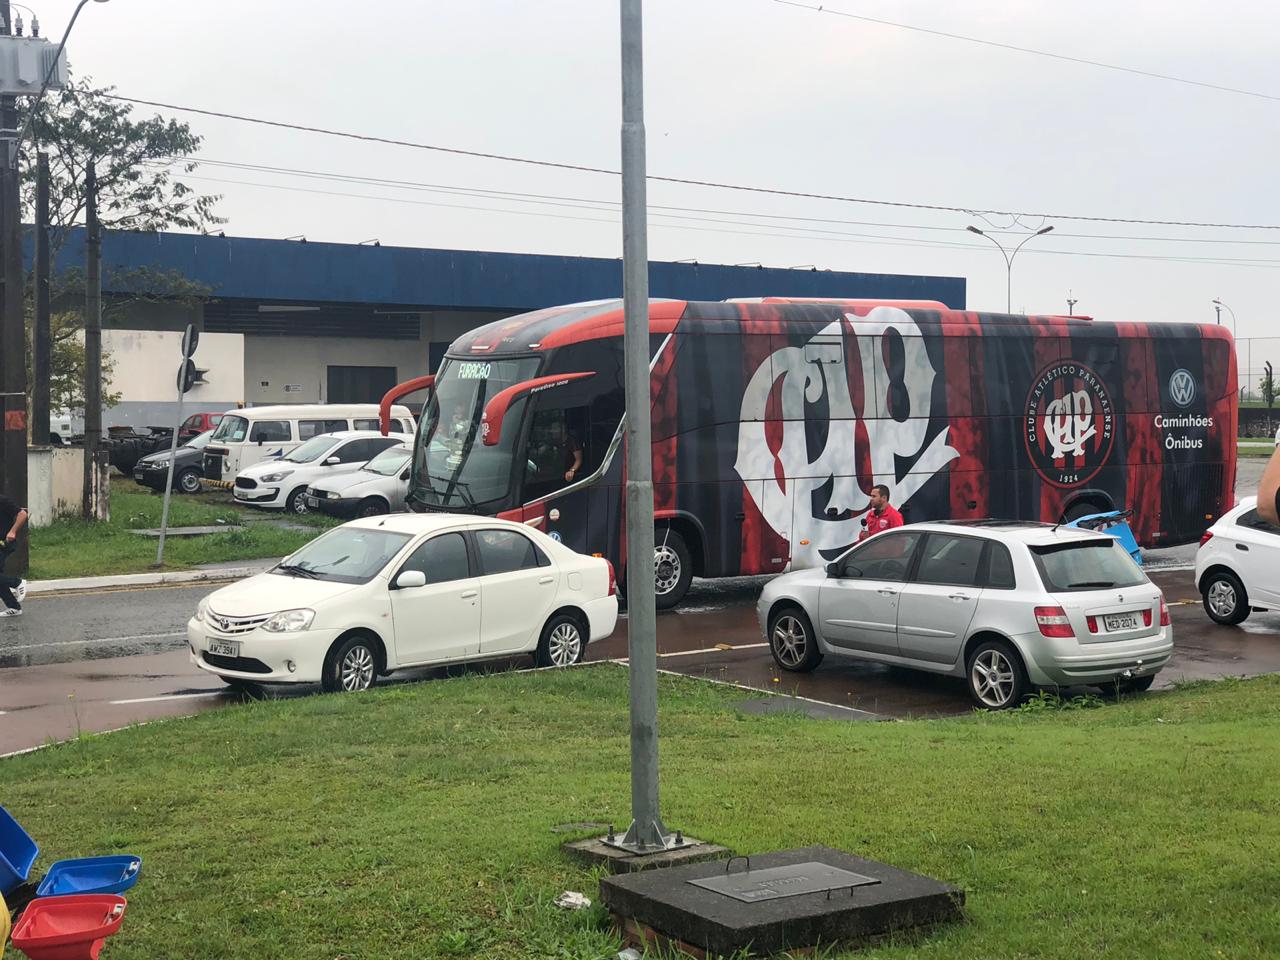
x,y
1182,387
1070,423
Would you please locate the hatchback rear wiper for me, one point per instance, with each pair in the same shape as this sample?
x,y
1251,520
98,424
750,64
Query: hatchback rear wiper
x,y
294,569
1091,583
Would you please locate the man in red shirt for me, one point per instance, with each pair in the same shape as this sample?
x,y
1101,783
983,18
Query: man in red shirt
x,y
881,516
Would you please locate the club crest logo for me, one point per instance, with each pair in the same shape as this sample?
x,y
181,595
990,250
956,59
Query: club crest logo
x,y
1070,423
1182,387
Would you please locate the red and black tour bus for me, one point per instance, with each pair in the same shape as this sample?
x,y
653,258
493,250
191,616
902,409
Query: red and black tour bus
x,y
773,418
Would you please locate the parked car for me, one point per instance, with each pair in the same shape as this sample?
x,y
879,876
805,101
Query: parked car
x,y
281,483
1007,605
376,488
1238,565
153,469
380,594
198,423
249,436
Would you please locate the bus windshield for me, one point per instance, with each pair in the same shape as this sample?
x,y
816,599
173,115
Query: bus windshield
x,y
452,467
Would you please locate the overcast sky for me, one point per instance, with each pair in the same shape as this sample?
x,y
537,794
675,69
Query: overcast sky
x,y
750,92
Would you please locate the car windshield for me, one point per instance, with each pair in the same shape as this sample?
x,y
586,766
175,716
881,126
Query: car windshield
x,y
231,430
312,449
389,462
344,555
199,441
1086,565
452,465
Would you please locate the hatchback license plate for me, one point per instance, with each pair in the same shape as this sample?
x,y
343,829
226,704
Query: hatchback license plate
x,y
224,648
1121,621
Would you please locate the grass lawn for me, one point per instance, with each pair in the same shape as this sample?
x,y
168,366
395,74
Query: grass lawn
x,y
75,548
416,821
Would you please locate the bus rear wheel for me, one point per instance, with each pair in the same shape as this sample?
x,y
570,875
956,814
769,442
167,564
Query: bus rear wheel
x,y
672,568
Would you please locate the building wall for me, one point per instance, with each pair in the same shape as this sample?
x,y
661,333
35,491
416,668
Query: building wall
x,y
145,367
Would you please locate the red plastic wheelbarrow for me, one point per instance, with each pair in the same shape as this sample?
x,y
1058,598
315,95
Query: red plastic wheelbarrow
x,y
68,928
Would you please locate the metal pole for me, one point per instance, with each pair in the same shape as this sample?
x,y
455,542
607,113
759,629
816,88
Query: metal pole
x,y
92,344
647,830
42,341
173,455
13,347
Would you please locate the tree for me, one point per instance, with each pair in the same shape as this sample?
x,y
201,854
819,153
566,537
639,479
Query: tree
x,y
138,163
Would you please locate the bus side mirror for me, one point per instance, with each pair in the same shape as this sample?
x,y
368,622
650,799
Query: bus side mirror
x,y
496,409
394,394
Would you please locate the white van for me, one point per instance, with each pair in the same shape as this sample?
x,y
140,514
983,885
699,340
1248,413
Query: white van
x,y
248,436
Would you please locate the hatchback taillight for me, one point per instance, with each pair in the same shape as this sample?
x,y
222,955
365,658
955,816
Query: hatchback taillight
x,y
1053,622
1206,537
613,580
1164,613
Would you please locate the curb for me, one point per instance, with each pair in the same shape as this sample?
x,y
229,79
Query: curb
x,y
89,584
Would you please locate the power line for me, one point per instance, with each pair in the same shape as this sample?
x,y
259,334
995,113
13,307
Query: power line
x,y
1039,53
826,236
575,202
684,181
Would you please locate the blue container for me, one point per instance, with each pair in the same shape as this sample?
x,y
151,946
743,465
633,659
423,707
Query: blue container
x,y
90,875
17,853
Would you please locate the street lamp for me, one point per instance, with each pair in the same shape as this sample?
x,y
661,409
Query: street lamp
x,y
1008,259
1218,307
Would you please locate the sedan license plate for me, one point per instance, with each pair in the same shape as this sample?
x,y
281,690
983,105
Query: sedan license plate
x,y
224,648
1117,622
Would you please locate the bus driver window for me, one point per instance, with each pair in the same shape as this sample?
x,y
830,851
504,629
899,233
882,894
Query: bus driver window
x,y
557,455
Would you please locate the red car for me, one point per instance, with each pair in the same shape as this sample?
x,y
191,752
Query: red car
x,y
196,424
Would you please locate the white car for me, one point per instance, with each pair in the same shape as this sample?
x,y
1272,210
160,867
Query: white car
x,y
378,487
1238,565
281,484
1004,604
409,590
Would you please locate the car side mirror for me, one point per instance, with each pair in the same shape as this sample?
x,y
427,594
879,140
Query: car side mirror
x,y
332,461
834,569
405,475
410,579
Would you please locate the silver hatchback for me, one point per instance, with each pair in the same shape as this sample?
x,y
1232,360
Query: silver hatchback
x,y
1006,605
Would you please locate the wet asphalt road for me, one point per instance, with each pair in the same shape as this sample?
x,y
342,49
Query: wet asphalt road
x,y
102,661
97,661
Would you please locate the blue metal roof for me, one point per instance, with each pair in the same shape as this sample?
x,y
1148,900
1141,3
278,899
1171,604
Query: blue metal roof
x,y
258,269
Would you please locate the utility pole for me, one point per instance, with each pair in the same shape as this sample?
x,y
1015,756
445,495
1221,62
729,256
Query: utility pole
x,y
92,345
13,346
42,341
647,833
1217,311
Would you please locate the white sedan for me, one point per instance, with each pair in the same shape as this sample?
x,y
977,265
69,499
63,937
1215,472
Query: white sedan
x,y
411,590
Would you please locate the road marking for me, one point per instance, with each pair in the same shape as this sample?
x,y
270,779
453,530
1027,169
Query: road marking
x,y
69,643
174,696
720,648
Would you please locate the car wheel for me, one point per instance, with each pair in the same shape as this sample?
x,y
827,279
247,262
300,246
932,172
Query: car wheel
x,y
562,643
1225,599
297,502
372,507
189,481
672,568
997,680
792,642
351,666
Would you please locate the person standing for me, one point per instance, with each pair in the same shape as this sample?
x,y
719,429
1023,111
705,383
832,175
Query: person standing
x,y
882,516
13,519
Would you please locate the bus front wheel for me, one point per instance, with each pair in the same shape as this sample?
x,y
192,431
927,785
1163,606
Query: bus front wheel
x,y
672,568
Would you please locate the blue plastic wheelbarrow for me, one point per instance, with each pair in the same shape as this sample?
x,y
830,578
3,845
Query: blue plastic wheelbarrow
x,y
90,875
17,853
